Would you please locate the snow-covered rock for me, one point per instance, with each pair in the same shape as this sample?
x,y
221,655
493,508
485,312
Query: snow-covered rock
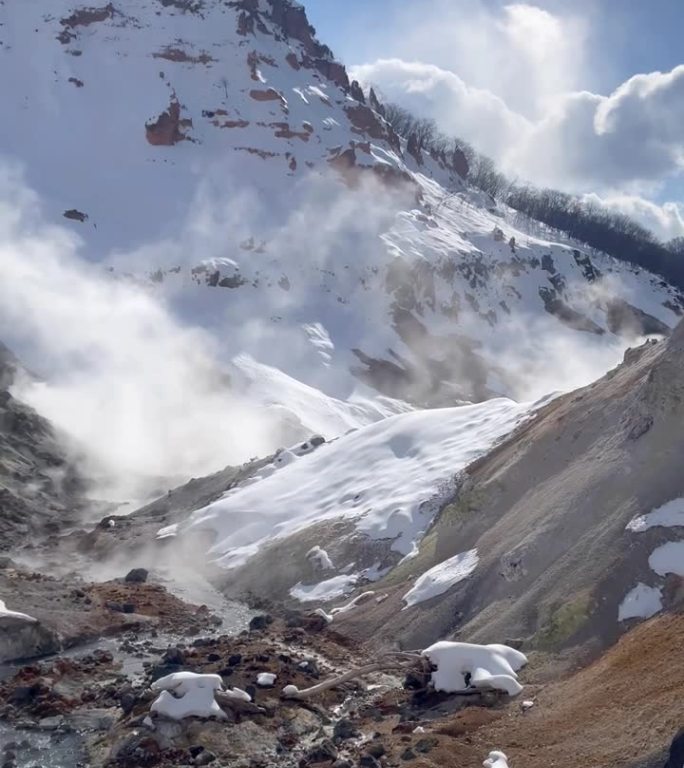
x,y
266,679
186,694
487,666
496,759
319,558
238,694
5,613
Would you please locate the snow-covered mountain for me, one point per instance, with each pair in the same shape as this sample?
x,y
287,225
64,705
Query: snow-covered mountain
x,y
215,152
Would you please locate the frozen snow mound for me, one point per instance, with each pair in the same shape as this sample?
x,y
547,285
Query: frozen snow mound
x,y
266,679
463,665
390,477
442,577
496,759
186,694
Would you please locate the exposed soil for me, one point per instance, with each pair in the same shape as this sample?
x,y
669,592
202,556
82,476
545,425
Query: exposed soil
x,y
78,611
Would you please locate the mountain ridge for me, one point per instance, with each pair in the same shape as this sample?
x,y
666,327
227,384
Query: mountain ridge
x,y
258,182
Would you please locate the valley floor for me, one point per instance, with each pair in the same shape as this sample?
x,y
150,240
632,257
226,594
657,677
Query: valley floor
x,y
87,706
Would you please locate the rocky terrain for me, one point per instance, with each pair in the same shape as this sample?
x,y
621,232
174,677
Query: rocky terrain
x,y
461,543
588,654
41,489
92,707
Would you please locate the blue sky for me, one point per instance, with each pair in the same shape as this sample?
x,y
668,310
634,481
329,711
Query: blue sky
x,y
546,87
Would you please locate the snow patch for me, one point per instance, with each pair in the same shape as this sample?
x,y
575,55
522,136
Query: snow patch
x,y
326,590
441,577
669,515
642,602
668,559
362,598
389,477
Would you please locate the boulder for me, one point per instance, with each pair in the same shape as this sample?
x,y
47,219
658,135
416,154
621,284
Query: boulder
x,y
260,623
22,637
137,576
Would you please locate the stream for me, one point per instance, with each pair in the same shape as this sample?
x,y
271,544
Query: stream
x,y
50,745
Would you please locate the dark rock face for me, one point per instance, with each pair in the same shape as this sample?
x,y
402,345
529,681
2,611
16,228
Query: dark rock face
x,y
589,271
375,103
676,758
345,729
40,487
623,318
167,129
554,305
323,752
367,122
259,623
83,17
459,162
413,148
174,655
137,576
356,92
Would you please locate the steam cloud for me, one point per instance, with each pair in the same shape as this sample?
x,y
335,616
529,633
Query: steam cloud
x,y
145,394
141,392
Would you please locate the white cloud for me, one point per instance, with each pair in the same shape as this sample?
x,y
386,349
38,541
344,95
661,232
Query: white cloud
x,y
458,108
509,80
631,137
666,220
522,53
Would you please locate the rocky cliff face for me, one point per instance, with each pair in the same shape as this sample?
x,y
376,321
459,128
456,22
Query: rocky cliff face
x,y
40,488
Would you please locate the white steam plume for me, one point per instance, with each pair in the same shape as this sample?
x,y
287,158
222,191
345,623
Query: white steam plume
x,y
141,393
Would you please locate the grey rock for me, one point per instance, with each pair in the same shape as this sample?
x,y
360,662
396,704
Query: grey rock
x,y
344,729
137,576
